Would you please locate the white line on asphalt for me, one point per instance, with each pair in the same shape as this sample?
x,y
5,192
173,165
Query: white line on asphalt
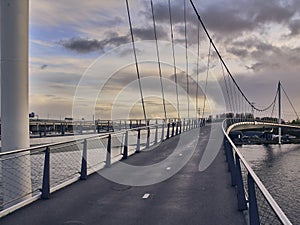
x,y
146,196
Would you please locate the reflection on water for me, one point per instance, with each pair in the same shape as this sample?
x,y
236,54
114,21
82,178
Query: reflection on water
x,y
279,169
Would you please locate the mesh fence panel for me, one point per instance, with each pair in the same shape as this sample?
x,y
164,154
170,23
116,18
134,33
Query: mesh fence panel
x,y
37,169
266,214
96,152
117,144
65,162
132,140
15,178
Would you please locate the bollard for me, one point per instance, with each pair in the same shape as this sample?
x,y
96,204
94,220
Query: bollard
x,y
125,153
83,173
138,142
108,152
46,175
242,203
253,209
177,127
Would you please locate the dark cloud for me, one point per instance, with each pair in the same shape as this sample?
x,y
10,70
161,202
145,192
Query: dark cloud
x,y
43,66
266,56
82,45
294,27
239,52
148,33
85,45
234,17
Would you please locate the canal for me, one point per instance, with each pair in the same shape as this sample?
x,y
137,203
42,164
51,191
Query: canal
x,y
278,166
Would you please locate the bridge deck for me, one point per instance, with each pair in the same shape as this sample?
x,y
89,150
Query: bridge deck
x,y
188,197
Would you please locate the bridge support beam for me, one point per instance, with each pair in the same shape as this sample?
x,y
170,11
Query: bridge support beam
x,y
279,112
14,97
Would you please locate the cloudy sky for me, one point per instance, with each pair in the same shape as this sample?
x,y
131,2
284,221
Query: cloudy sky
x,y
80,46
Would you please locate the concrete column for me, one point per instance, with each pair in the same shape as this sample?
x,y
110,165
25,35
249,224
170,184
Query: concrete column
x,y
14,96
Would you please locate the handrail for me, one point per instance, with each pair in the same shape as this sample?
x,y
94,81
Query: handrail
x,y
105,135
277,210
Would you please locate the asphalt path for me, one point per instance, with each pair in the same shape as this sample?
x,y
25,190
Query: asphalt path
x,y
189,196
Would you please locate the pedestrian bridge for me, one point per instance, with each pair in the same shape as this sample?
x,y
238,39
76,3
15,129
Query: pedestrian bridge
x,y
172,169
185,192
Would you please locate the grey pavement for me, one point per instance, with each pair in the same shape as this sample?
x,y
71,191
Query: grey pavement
x,y
188,197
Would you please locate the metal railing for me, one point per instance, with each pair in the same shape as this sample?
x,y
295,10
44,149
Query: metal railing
x,y
33,173
252,195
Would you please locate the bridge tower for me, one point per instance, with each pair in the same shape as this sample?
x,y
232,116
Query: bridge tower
x,y
14,97
279,112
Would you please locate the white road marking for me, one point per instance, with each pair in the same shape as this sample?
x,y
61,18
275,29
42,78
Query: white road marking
x,y
168,168
146,196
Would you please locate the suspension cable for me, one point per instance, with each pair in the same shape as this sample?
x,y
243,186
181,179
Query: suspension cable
x,y
290,102
232,95
186,58
136,61
174,60
158,61
226,87
198,57
223,62
274,104
207,73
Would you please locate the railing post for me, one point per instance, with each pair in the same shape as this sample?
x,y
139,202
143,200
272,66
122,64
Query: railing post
x,y
231,165
242,203
83,173
148,136
180,127
173,128
108,152
253,209
168,131
138,142
125,153
156,133
225,143
46,175
163,132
